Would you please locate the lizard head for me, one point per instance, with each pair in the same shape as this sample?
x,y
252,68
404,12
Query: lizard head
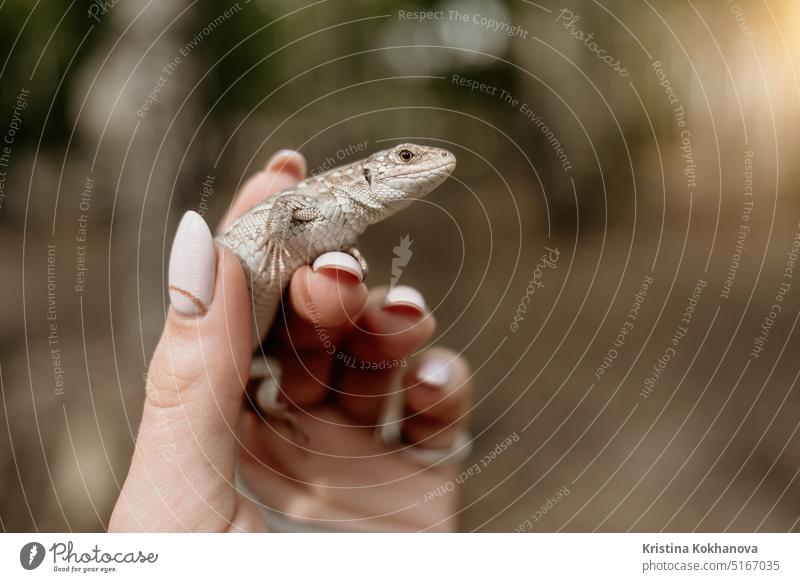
x,y
407,171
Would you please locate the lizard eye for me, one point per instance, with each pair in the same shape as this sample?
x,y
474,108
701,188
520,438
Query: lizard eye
x,y
406,155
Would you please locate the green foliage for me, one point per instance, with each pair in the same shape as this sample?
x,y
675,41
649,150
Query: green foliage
x,y
38,41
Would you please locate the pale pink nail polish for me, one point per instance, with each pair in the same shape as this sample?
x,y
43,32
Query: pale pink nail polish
x,y
340,262
434,372
290,161
192,266
402,295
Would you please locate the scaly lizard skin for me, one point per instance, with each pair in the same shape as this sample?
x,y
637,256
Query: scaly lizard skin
x,y
321,214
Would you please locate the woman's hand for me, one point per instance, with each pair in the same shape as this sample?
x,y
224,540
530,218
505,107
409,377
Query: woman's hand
x,y
342,349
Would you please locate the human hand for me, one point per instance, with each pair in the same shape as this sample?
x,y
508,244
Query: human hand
x,y
331,336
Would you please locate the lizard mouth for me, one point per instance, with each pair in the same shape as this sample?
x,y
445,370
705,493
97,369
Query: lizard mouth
x,y
443,170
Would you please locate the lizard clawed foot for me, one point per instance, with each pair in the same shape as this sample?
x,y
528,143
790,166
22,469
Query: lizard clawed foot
x,y
356,254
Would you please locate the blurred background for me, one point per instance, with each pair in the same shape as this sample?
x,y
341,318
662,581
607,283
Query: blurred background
x,y
645,371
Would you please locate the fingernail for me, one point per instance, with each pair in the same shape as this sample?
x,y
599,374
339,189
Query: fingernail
x,y
289,161
340,262
434,372
267,394
402,295
192,266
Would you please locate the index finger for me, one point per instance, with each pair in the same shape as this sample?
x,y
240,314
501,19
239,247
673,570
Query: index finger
x,y
283,171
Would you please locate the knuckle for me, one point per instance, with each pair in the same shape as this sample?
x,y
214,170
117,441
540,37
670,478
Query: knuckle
x,y
170,377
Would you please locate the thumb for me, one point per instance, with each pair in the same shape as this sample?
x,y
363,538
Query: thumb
x,y
182,473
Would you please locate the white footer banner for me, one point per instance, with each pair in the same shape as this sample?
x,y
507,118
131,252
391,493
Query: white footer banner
x,y
402,557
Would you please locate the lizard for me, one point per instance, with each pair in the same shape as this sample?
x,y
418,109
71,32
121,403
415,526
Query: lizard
x,y
322,213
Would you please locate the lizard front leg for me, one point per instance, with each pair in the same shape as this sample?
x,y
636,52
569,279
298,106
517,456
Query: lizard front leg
x,y
274,223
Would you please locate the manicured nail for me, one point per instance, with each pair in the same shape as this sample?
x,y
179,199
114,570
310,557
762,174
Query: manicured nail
x,y
434,372
402,295
192,266
339,261
267,394
289,161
